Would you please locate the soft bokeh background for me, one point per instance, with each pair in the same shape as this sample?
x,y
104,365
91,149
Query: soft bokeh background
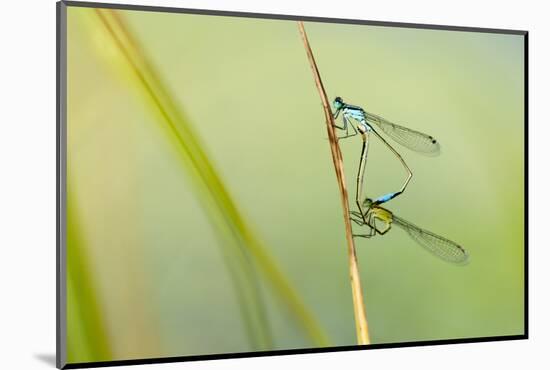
x,y
148,275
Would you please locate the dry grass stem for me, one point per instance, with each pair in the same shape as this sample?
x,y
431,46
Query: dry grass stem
x,y
361,325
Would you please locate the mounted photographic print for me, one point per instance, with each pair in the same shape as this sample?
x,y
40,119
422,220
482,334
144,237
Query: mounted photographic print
x,y
235,185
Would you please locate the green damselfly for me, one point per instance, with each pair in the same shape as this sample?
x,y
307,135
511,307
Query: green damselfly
x,y
380,220
361,123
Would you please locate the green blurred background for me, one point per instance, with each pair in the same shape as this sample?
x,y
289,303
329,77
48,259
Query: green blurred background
x,y
148,272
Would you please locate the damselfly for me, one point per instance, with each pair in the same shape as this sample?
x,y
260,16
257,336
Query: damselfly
x,y
361,122
380,220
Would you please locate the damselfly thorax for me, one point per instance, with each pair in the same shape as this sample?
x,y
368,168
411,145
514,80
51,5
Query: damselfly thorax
x,y
380,219
358,114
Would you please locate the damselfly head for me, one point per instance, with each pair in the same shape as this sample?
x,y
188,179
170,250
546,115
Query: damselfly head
x,y
367,203
338,103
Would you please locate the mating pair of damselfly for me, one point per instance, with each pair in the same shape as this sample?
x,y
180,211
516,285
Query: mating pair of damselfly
x,y
371,214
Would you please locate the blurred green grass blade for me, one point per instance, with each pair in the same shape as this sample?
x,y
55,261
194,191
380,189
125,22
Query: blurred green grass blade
x,y
251,304
220,207
87,338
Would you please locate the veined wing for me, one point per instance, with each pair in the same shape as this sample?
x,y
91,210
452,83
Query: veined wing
x,y
411,139
435,244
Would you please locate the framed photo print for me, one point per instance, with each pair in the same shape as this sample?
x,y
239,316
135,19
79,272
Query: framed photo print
x,y
235,184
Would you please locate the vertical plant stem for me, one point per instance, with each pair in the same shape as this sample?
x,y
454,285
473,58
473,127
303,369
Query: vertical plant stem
x,y
361,324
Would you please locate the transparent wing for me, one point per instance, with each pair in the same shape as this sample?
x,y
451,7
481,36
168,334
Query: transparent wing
x,y
411,139
437,245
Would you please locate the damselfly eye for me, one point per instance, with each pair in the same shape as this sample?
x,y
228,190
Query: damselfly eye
x,y
367,202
